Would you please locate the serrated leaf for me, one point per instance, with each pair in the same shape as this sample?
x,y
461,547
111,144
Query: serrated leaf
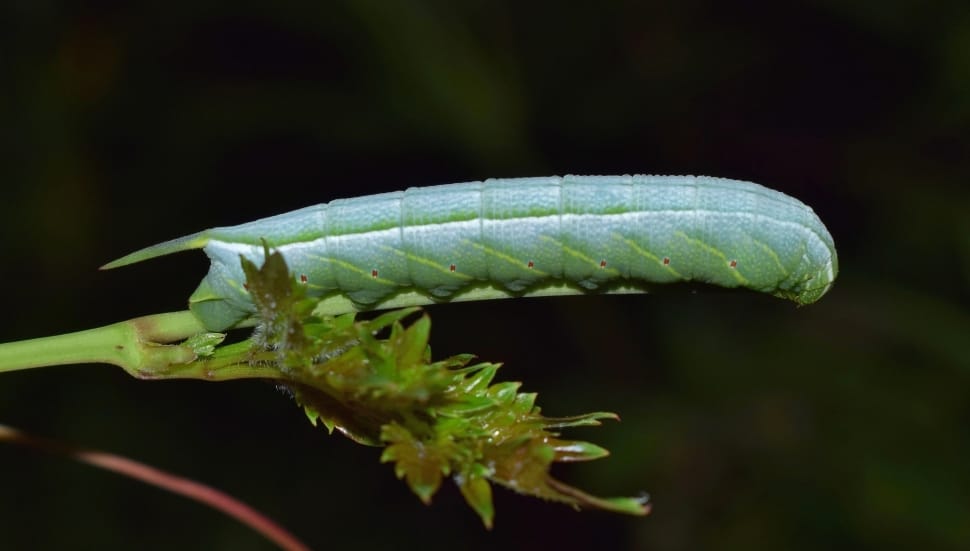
x,y
479,380
434,418
421,466
469,406
504,393
270,284
587,420
204,344
387,319
478,494
570,451
413,342
626,505
524,403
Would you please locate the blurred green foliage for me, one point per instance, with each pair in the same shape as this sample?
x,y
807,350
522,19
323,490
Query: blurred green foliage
x,y
752,424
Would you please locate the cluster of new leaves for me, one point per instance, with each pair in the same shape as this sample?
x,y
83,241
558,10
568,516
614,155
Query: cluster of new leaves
x,y
436,419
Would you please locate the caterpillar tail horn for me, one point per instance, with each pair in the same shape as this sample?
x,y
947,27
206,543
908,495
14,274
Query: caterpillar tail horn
x,y
187,243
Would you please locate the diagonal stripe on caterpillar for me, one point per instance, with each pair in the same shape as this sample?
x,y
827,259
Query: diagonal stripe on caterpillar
x,y
523,236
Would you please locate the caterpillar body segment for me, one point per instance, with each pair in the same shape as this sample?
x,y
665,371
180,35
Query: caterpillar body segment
x,y
523,236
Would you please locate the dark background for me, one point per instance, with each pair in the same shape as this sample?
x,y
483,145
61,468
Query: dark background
x,y
752,423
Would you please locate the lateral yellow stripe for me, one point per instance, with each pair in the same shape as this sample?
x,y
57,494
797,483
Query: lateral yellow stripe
x,y
510,259
771,252
428,262
363,273
647,254
577,254
716,252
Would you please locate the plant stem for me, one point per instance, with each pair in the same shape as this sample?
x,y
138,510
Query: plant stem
x,y
132,344
140,346
191,489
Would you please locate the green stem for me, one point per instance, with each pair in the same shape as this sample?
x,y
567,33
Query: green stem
x,y
234,361
140,346
133,344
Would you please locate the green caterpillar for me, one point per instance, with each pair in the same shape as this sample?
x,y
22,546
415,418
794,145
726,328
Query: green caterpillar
x,y
522,236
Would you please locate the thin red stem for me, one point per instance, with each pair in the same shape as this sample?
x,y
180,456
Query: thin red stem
x,y
191,489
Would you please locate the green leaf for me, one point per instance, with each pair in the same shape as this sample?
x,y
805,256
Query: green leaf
x,y
421,466
204,344
569,451
478,494
435,419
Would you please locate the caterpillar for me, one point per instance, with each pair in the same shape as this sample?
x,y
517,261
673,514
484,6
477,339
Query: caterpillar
x,y
521,236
